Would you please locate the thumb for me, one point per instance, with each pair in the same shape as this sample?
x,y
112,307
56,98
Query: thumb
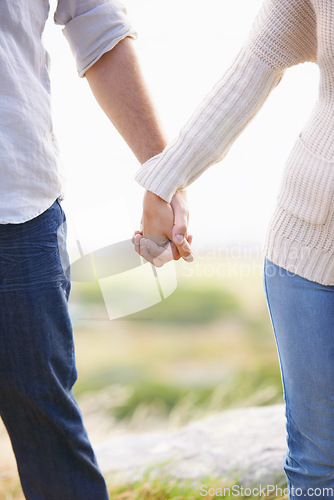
x,y
179,235
180,227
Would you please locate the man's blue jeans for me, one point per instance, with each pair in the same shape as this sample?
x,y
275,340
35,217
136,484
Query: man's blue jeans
x,y
302,314
37,365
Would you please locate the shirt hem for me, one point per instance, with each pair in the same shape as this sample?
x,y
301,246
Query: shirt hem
x,y
15,220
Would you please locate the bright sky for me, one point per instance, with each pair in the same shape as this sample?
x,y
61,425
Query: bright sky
x,y
184,47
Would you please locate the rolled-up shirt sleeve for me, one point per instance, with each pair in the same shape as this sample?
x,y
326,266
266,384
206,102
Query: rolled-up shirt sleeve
x,y
92,27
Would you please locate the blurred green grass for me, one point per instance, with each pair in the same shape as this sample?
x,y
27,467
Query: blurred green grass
x,y
162,488
172,489
208,347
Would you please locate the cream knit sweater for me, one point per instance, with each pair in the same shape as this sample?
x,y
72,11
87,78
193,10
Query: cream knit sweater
x,y
300,237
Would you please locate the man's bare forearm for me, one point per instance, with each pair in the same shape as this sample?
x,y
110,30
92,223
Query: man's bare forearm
x,y
119,88
118,85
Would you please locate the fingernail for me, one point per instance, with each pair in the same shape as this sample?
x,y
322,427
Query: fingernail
x,y
178,239
190,258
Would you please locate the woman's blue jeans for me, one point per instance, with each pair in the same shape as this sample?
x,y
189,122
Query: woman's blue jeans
x,y
37,366
302,315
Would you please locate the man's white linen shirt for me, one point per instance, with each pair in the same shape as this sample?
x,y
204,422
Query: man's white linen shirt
x,y
29,178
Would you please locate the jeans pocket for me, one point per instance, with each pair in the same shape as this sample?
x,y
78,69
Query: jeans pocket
x,y
62,243
29,252
307,189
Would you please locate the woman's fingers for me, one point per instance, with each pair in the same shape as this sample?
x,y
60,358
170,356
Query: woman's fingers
x,y
136,237
160,253
156,254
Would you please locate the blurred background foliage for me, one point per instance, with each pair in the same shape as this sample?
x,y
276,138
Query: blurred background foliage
x,y
209,346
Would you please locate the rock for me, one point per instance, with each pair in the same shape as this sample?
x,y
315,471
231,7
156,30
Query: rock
x,y
245,444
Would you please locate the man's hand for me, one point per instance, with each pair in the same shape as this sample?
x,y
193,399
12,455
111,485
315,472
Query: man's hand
x,y
163,235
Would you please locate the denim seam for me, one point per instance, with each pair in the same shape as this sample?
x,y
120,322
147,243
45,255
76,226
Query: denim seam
x,y
272,321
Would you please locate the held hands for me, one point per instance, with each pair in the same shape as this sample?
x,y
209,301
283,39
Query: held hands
x,y
163,234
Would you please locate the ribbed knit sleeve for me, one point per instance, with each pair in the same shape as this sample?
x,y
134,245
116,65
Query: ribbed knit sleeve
x,y
92,27
282,35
